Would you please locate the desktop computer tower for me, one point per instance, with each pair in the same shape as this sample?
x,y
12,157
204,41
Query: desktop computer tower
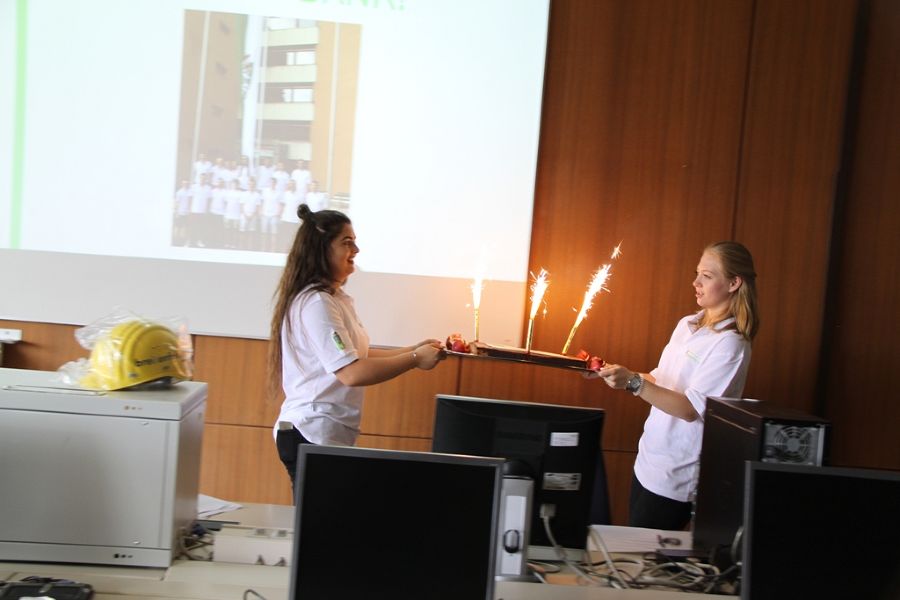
x,y
734,432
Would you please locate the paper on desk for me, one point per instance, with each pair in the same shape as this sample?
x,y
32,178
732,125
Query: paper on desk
x,y
208,506
637,539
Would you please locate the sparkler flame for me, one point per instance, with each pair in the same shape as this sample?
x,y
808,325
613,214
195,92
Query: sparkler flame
x,y
537,291
477,287
537,296
597,285
617,252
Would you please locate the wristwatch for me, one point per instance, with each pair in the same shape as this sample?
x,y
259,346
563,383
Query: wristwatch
x,y
635,384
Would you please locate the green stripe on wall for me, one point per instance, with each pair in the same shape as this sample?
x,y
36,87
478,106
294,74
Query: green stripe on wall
x,y
18,151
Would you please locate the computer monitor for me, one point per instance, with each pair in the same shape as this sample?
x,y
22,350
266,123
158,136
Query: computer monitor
x,y
820,532
560,445
386,524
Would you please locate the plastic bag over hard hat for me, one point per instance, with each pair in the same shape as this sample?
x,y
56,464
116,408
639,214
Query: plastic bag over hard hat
x,y
128,351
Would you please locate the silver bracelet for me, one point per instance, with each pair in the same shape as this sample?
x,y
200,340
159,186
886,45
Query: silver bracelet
x,y
415,359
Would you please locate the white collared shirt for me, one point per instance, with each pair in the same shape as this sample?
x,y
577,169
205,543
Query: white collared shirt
x,y
697,362
271,202
326,335
290,201
183,201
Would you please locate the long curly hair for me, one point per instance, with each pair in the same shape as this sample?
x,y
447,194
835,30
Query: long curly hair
x,y
307,266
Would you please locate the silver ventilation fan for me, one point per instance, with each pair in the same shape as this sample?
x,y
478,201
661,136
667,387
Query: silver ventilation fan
x,y
785,443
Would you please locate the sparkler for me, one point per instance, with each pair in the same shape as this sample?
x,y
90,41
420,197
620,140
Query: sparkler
x,y
598,284
537,296
477,286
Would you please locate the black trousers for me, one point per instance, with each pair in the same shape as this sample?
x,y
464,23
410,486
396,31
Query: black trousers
x,y
653,511
288,443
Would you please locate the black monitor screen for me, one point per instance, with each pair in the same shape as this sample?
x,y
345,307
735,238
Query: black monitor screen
x,y
394,525
560,445
820,532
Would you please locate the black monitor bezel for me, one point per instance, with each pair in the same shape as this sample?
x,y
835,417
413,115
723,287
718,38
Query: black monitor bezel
x,y
306,450
752,468
573,414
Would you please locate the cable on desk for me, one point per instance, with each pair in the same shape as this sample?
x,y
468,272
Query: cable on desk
x,y
544,567
538,575
737,545
189,542
690,575
251,592
588,576
598,540
540,568
684,575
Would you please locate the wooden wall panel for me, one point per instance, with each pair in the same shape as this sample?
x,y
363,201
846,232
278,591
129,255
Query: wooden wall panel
x,y
236,369
44,346
640,144
864,334
796,97
405,406
241,464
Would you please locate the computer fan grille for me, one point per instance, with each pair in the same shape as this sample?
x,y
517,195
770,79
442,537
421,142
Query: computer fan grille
x,y
797,444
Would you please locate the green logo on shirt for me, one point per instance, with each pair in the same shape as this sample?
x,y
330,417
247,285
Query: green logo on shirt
x,y
336,338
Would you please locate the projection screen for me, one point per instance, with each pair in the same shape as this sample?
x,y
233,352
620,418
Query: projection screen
x,y
154,154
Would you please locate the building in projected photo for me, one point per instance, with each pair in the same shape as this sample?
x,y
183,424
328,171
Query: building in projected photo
x,y
308,86
262,99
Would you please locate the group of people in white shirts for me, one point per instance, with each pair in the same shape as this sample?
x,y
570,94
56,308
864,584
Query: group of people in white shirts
x,y
235,205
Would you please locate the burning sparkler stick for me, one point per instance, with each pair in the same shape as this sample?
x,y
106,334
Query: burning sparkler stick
x,y
537,296
598,283
477,287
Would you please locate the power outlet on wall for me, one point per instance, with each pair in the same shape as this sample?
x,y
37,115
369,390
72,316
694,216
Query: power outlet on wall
x,y
10,336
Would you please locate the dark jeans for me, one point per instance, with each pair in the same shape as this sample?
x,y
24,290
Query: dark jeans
x,y
288,442
653,511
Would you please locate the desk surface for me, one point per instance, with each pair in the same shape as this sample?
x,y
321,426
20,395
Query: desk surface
x,y
205,580
259,515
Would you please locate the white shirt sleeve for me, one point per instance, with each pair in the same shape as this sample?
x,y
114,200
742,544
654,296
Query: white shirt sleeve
x,y
329,338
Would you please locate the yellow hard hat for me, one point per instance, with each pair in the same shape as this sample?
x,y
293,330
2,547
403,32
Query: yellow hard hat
x,y
134,353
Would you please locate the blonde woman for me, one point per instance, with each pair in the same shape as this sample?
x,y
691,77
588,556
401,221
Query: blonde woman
x,y
707,355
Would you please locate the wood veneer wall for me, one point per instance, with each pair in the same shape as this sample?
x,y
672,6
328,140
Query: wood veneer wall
x,y
666,125
862,328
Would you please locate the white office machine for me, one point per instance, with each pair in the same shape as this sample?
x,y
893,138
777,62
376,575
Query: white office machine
x,y
96,477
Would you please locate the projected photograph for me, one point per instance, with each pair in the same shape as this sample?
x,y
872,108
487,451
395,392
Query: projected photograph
x,y
266,123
